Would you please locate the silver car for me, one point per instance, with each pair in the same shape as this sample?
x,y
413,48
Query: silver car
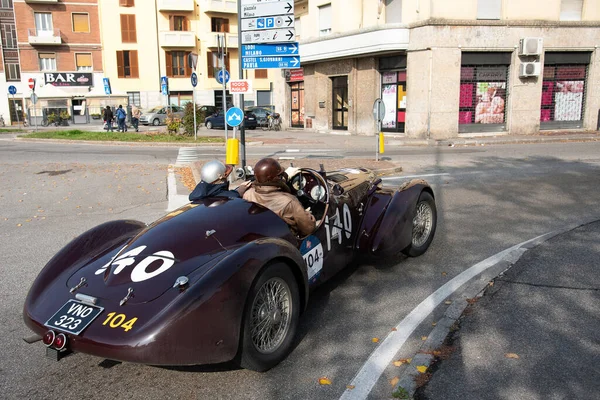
x,y
157,115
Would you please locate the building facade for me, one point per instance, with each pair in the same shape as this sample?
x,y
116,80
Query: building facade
x,y
59,47
10,70
445,69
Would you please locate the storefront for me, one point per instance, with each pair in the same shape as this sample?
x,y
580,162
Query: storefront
x,y
483,92
295,80
564,90
393,92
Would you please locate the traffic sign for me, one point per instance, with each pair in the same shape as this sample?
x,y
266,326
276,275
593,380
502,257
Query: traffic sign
x,y
267,9
234,116
378,110
270,62
194,79
280,21
223,73
240,86
164,85
31,83
12,90
269,36
34,98
257,50
107,89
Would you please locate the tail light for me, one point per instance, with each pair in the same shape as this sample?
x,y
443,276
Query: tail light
x,y
48,338
61,341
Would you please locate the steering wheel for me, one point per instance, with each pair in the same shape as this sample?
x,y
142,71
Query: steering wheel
x,y
319,183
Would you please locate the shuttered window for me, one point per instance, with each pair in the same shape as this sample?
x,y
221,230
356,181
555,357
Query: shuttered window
x,y
570,10
325,20
219,24
83,61
489,9
177,64
178,23
128,34
261,73
81,22
127,64
213,65
47,61
126,3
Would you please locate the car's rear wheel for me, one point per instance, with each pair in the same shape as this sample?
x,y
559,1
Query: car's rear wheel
x,y
156,122
424,224
209,125
270,318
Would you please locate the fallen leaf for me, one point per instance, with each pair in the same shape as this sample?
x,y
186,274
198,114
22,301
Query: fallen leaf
x,y
423,338
394,381
28,220
421,368
20,201
512,355
394,329
19,225
491,283
398,363
436,353
324,381
433,323
350,387
375,340
444,273
448,302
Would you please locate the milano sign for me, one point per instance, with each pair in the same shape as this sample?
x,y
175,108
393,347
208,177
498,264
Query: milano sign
x,y
68,78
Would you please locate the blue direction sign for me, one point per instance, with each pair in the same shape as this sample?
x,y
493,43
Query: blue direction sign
x,y
280,49
194,79
223,75
106,83
164,85
270,62
234,116
12,90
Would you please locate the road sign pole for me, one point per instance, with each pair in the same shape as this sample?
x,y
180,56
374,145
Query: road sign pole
x,y
222,48
194,101
16,113
35,116
241,76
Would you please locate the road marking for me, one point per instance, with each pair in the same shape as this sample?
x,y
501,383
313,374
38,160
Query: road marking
x,y
292,150
416,176
175,200
383,355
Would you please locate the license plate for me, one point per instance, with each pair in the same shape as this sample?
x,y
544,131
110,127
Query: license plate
x,y
251,119
74,317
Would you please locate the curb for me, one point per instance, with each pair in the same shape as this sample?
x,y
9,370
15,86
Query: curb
x,y
474,290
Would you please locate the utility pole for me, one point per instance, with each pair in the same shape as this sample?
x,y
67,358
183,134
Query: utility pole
x,y
241,76
222,53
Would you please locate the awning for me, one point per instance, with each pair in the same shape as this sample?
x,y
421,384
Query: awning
x,y
50,91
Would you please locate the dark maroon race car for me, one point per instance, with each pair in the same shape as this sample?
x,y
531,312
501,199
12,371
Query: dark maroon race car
x,y
219,279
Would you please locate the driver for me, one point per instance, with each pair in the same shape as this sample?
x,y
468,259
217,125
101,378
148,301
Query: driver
x,y
270,190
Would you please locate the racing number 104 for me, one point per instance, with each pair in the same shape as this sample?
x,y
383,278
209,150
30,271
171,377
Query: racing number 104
x,y
115,320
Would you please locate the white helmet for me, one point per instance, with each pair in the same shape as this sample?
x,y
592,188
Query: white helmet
x,y
214,170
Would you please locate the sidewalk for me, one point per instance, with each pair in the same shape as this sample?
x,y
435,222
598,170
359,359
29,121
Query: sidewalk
x,y
534,334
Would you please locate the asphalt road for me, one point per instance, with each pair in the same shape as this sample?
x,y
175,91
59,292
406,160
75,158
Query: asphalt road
x,y
488,199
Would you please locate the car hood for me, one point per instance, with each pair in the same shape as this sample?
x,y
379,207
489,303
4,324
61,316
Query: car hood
x,y
189,240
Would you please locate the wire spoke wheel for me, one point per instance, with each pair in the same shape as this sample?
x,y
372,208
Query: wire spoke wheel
x,y
422,224
271,315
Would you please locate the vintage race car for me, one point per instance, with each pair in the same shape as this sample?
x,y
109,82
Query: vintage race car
x,y
219,279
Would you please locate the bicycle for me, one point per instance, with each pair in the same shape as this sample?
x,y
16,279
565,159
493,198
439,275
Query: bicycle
x,y
273,123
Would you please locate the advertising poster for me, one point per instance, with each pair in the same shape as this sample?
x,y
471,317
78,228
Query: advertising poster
x,y
568,100
389,99
491,97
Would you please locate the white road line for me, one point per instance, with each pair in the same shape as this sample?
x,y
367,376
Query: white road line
x,y
175,200
416,176
383,355
292,150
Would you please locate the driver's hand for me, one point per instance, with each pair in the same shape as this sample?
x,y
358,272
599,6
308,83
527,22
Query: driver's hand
x,y
291,171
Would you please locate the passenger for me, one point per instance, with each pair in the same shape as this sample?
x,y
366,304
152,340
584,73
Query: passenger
x,y
214,183
270,190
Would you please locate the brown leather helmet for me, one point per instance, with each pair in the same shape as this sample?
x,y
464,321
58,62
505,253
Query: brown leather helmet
x,y
268,171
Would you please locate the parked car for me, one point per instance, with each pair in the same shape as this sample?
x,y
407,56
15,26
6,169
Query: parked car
x,y
217,120
208,110
261,113
157,115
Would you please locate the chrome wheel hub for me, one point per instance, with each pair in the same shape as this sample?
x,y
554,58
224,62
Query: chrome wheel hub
x,y
271,315
422,224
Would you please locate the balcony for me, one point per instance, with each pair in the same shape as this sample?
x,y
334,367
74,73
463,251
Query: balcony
x,y
232,40
175,5
219,6
48,38
177,39
42,1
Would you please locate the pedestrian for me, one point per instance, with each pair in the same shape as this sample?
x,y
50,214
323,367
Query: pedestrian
x,y
108,117
121,115
136,113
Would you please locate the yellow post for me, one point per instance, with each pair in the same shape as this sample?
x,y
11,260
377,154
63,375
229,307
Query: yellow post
x,y
232,156
381,143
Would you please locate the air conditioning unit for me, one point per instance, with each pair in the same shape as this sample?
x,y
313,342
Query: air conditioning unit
x,y
528,69
531,46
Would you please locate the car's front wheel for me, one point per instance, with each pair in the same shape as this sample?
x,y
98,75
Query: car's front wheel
x,y
270,318
424,223
209,125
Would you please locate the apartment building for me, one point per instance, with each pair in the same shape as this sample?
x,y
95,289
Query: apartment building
x,y
59,47
144,40
446,69
10,71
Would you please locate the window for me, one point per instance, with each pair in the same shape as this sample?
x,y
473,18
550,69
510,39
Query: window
x,y
178,23
83,61
127,64
47,61
214,64
177,64
13,72
570,10
43,23
489,9
9,36
219,24
261,73
6,4
325,20
128,34
126,3
134,98
81,22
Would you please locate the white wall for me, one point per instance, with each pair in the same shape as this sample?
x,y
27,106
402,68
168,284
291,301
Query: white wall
x,y
4,110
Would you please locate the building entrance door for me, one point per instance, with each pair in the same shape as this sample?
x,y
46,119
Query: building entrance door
x,y
297,108
16,106
340,102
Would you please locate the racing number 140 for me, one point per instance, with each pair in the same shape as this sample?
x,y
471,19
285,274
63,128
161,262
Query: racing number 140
x,y
340,228
118,320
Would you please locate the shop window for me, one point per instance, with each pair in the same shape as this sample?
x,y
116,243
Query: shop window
x,y
126,3
177,64
128,31
178,23
393,94
219,24
127,64
571,10
261,73
47,61
134,98
489,9
81,22
83,61
325,20
13,72
180,98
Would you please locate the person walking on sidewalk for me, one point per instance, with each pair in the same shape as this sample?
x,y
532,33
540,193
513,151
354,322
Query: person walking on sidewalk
x,y
121,115
108,117
136,113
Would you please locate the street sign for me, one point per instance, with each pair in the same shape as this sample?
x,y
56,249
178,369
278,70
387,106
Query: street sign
x,y
280,21
34,98
269,36
270,62
12,90
234,116
31,83
194,79
107,89
281,49
164,85
267,9
240,86
378,110
221,78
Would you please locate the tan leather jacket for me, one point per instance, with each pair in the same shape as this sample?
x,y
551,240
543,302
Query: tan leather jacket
x,y
285,205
